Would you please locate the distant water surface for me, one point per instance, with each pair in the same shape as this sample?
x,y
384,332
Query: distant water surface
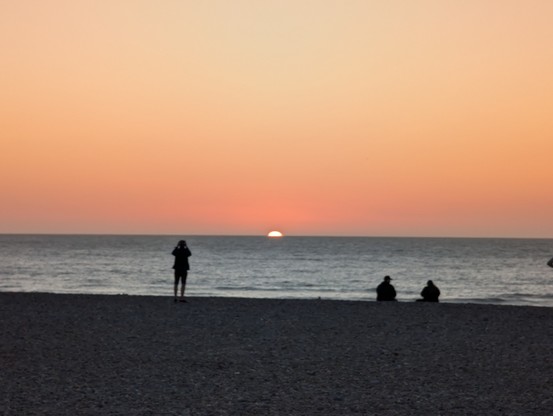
x,y
507,271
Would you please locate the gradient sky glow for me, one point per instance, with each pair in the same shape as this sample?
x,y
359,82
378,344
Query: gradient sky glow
x,y
313,117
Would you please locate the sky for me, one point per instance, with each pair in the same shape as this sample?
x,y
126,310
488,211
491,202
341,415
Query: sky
x,y
312,117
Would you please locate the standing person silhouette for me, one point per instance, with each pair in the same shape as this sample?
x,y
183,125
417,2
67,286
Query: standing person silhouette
x,y
181,266
385,291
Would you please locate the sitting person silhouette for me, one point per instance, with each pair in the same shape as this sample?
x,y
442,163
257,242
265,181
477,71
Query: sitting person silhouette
x,y
385,291
430,293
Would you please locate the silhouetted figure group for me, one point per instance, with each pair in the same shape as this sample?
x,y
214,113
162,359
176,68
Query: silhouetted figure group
x,y
385,291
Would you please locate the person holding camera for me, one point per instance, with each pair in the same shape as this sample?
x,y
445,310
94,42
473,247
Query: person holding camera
x,y
181,266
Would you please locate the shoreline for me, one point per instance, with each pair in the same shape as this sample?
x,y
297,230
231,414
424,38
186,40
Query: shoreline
x,y
132,354
446,301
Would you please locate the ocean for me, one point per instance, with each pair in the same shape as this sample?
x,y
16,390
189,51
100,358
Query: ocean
x,y
496,271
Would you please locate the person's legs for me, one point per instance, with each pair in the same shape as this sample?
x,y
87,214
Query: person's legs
x,y
176,284
183,284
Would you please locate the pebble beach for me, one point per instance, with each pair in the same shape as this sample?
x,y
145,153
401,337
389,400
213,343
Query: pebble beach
x,y
146,355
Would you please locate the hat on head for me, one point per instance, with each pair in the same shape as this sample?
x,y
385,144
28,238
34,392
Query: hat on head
x,y
387,278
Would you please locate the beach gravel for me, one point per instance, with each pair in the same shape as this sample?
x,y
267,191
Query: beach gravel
x,y
145,355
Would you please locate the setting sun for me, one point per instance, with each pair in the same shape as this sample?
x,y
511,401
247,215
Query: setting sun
x,y
274,234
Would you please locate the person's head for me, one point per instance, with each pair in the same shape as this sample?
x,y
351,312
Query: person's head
x,y
430,283
387,278
182,243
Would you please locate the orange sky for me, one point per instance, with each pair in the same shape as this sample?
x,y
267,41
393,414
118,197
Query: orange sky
x,y
314,117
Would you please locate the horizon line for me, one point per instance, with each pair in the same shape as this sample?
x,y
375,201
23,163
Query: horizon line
x,y
178,235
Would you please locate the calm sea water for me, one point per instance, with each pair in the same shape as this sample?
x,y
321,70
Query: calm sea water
x,y
508,271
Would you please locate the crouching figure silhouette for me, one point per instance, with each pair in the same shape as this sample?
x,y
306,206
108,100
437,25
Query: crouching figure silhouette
x,y
385,291
430,293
